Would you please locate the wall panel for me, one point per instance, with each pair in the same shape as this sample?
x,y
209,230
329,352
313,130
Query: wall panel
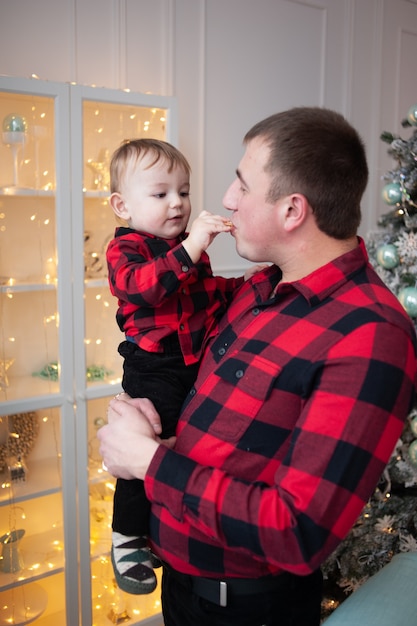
x,y
37,38
146,36
97,43
300,59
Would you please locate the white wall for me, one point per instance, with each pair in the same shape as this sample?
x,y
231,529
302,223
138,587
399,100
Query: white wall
x,y
229,63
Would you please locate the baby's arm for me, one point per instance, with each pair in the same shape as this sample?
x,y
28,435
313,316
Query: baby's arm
x,y
202,232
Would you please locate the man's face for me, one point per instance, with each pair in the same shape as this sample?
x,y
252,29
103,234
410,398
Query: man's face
x,y
254,219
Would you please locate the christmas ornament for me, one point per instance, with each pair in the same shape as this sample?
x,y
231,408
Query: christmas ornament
x,y
408,298
412,452
412,115
387,256
19,436
50,371
14,136
14,124
97,372
11,556
413,424
391,193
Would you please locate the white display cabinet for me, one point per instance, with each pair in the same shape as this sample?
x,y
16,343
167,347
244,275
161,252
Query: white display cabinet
x,y
59,363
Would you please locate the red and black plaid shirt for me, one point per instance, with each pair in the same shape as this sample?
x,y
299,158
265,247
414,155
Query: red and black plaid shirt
x,y
161,292
296,410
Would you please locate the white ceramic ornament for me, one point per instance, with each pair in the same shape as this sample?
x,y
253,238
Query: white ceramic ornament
x,y
412,452
412,115
408,298
391,193
387,256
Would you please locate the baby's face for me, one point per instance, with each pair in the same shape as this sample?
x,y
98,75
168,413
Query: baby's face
x,y
157,201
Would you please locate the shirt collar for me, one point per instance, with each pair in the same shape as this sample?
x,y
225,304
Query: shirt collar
x,y
122,231
321,283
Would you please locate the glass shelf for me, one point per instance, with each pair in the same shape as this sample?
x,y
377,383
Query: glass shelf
x,y
22,191
44,479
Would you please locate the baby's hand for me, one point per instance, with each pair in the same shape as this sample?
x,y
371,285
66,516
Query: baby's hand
x,y
254,269
202,232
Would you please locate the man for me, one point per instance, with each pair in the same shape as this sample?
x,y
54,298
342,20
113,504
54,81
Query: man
x,y
299,401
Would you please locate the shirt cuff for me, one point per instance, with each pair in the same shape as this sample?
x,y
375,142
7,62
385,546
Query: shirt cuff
x,y
167,478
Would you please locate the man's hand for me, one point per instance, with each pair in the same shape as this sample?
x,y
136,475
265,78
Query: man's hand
x,y
129,441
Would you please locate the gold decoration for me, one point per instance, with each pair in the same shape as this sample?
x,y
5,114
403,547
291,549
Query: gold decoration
x,y
22,429
118,618
4,366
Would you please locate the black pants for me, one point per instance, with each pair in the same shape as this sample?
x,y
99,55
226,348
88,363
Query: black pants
x,y
296,601
165,380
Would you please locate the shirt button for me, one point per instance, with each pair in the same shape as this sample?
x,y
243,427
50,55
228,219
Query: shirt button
x,y
255,311
181,326
184,291
222,351
192,391
185,268
239,373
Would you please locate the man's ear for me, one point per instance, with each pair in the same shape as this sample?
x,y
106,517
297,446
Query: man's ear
x,y
297,211
119,206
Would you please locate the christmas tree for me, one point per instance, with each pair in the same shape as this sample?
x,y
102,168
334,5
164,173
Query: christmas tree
x,y
388,523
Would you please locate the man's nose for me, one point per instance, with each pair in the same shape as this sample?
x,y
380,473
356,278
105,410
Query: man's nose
x,y
230,197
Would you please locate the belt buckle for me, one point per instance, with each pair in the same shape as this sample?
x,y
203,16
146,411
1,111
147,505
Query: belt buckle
x,y
223,593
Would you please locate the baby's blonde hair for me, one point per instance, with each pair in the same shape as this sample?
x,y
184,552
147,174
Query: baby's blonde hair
x,y
134,149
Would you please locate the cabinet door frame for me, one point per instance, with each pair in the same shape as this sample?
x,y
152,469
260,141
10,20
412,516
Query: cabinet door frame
x,y
63,399
79,95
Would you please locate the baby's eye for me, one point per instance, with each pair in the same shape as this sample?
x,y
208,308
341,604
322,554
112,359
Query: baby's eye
x,y
160,195
184,194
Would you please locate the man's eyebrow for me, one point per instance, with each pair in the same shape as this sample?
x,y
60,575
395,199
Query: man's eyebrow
x,y
240,177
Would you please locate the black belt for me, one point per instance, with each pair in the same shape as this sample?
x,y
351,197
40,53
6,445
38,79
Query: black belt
x,y
220,591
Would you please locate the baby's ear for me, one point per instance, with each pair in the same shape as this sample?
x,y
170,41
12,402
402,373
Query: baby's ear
x,y
118,205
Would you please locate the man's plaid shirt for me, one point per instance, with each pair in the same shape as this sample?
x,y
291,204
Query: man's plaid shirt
x,y
298,405
161,292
